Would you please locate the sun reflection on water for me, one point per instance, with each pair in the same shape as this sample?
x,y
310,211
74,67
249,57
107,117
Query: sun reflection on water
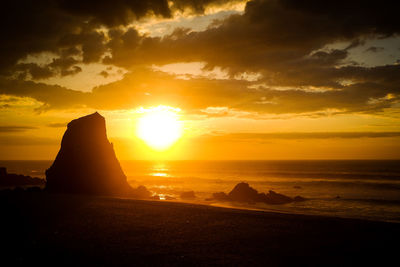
x,y
159,174
159,170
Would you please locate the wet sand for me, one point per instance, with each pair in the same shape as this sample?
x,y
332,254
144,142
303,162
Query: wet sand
x,y
82,230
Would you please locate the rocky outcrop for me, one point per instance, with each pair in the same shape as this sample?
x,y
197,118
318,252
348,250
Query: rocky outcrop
x,y
86,162
11,179
188,195
243,192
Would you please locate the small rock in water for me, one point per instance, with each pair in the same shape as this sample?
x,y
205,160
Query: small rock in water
x,y
11,179
243,192
299,199
169,197
276,198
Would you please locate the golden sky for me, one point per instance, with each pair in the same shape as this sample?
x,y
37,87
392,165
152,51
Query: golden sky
x,y
259,79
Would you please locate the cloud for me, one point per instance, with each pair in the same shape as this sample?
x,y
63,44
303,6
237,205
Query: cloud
x,y
57,125
145,87
52,96
49,26
303,135
282,41
374,49
36,71
5,106
104,73
271,34
27,141
122,12
13,129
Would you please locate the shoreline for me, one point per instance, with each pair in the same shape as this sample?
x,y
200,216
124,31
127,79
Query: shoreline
x,y
278,211
226,205
242,206
98,230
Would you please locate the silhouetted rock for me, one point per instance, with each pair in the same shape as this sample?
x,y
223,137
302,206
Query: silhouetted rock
x,y
3,171
34,189
10,179
299,199
275,198
86,162
6,191
220,196
188,195
18,189
243,192
141,192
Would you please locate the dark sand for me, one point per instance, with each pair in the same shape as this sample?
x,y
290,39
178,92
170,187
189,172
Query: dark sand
x,y
81,230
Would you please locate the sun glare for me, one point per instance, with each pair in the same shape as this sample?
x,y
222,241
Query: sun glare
x,y
159,127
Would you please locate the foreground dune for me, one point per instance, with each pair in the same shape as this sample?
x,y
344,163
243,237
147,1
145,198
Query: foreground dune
x,y
76,230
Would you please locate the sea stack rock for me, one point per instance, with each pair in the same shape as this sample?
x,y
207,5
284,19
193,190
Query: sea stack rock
x,y
11,179
243,192
86,162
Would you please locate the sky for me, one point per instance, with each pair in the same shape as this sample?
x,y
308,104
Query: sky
x,y
258,79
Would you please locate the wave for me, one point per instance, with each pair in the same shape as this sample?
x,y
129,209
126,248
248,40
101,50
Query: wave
x,y
374,201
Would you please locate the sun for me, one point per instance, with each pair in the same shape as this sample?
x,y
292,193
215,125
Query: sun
x,y
159,127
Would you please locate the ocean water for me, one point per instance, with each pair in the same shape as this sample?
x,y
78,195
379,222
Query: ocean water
x,y
367,189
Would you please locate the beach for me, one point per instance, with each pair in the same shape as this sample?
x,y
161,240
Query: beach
x,y
41,228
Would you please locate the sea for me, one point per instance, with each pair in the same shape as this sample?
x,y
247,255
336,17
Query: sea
x,y
363,189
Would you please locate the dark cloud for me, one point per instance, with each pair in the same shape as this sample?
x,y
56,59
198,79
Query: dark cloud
x,y
104,73
36,72
52,96
355,43
10,99
92,43
273,34
114,13
53,25
330,58
374,49
32,27
13,129
283,40
121,12
122,45
57,124
63,66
